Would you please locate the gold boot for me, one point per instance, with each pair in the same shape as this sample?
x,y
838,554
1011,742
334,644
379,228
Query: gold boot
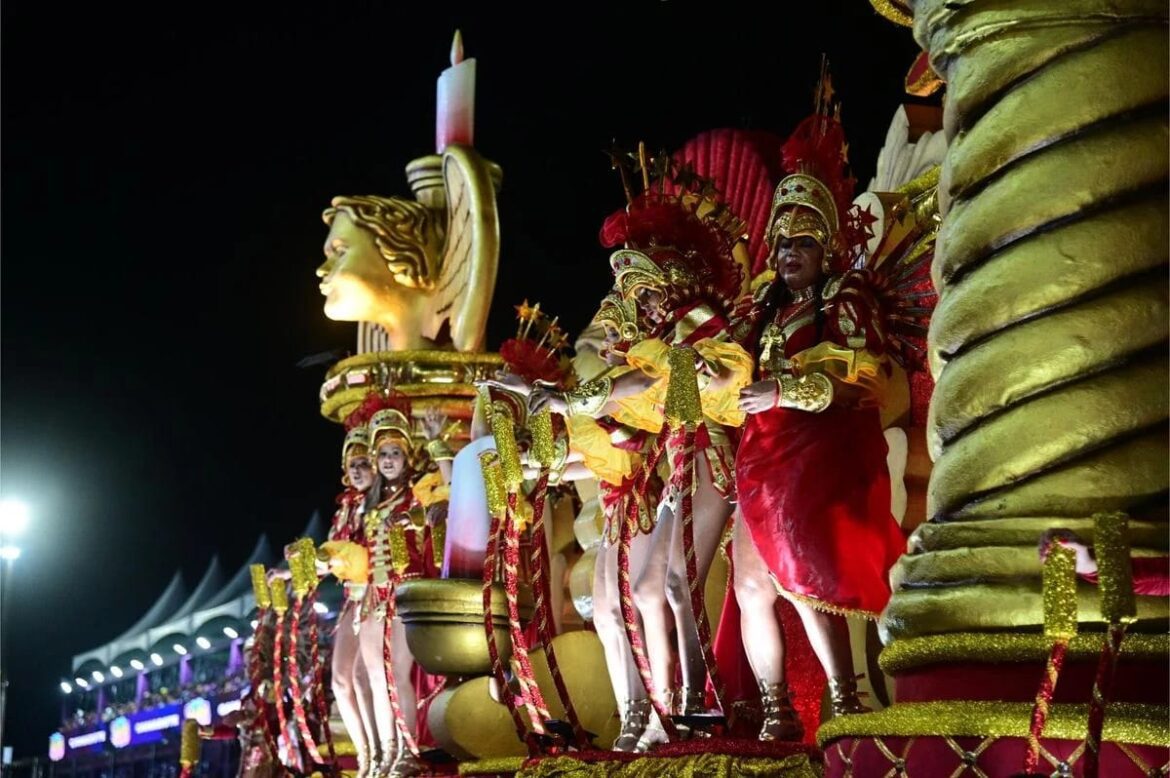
x,y
692,718
407,764
843,697
388,753
654,733
780,719
635,719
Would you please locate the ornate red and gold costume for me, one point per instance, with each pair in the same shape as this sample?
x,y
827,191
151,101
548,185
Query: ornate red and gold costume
x,y
813,483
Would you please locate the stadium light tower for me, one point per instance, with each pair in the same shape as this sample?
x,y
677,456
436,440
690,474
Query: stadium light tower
x,y
14,518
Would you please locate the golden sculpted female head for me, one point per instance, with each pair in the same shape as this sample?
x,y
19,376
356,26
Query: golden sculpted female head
x,y
376,250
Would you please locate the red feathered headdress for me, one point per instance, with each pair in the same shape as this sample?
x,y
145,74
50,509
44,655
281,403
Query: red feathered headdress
x,y
681,245
816,196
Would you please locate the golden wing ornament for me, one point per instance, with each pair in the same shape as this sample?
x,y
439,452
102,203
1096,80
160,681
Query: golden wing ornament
x,y
470,257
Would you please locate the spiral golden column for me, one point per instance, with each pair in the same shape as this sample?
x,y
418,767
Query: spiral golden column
x,y
1049,343
1049,350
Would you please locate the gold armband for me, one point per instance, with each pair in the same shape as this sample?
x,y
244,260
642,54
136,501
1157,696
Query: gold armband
x,y
439,451
589,398
812,392
560,460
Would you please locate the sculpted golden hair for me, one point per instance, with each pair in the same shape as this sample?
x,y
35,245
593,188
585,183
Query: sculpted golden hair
x,y
408,235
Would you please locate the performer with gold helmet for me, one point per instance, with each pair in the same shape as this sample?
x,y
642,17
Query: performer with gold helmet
x,y
379,537
613,448
678,266
351,688
813,484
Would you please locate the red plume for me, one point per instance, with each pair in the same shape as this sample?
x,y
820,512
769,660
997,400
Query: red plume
x,y
376,401
532,362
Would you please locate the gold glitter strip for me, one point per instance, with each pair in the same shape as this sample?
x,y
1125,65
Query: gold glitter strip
x,y
994,647
1127,722
683,404
260,586
896,12
693,765
1060,593
1115,570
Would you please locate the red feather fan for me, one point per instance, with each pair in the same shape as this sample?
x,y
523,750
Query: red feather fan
x,y
532,362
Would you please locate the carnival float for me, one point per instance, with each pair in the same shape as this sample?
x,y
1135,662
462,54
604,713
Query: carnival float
x,y
840,480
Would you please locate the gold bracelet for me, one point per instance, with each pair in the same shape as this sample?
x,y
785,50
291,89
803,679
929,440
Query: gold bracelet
x,y
589,398
439,451
812,392
556,470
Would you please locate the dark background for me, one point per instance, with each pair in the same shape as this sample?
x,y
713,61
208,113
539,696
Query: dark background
x,y
163,177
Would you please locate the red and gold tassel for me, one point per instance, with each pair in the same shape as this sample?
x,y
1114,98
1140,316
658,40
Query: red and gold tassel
x,y
1118,607
545,623
497,506
629,521
280,606
529,690
307,555
1060,624
684,413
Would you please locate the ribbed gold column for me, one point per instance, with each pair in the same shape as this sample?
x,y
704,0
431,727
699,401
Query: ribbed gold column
x,y
1049,344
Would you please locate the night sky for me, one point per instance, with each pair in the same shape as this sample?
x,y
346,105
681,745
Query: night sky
x,y
163,178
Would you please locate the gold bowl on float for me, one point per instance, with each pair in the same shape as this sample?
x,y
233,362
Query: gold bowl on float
x,y
443,618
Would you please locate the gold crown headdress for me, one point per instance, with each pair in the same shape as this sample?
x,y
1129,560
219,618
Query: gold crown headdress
x,y
357,443
677,236
392,425
815,198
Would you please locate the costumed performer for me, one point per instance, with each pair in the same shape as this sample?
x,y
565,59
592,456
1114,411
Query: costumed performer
x,y
346,557
401,548
610,449
811,473
681,272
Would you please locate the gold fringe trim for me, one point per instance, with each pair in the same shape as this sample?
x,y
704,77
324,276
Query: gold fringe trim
x,y
1125,723
909,653
821,605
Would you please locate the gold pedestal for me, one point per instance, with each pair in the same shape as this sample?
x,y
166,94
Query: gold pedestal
x,y
442,379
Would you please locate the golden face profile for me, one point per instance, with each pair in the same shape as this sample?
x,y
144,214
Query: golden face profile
x,y
353,276
377,257
395,263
